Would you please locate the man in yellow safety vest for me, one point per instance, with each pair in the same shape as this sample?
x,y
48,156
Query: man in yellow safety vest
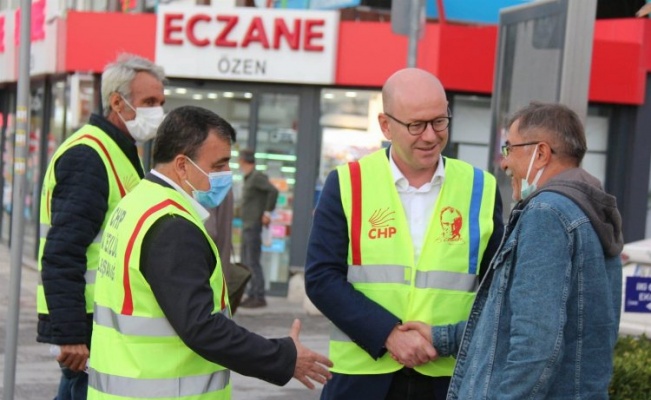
x,y
87,176
403,234
163,324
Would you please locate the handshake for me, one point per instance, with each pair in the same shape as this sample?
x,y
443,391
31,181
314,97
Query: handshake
x,y
411,345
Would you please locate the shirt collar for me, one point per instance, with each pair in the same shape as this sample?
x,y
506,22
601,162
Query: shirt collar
x,y
402,184
201,210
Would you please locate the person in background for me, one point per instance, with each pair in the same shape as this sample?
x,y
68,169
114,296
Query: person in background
x,y
402,234
220,228
163,326
546,318
258,201
87,176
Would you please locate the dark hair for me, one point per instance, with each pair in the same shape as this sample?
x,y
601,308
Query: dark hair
x,y
185,129
247,155
563,127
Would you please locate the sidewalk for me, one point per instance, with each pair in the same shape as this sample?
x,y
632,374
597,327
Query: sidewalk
x,y
37,374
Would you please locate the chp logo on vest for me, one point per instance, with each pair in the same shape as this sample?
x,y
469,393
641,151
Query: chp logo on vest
x,y
380,224
451,224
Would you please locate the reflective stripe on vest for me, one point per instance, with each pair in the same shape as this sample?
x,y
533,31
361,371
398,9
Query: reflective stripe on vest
x,y
156,388
135,325
424,279
89,277
45,228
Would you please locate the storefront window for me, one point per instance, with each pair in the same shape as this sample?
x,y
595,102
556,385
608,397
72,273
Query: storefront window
x,y
7,131
32,173
276,140
350,127
470,130
57,118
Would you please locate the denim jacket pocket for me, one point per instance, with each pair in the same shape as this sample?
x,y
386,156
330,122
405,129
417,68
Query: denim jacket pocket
x,y
502,264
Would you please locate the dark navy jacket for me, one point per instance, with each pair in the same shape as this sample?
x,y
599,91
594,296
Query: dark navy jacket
x,y
79,204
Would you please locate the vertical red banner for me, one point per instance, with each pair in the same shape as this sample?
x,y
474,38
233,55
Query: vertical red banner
x,y
2,34
37,31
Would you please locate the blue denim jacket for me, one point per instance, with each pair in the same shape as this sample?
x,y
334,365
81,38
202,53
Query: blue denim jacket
x,y
546,316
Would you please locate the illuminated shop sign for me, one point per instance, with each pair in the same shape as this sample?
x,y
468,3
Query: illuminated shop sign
x,y
248,44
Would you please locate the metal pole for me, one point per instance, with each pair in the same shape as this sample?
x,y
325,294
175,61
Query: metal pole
x,y
18,201
414,18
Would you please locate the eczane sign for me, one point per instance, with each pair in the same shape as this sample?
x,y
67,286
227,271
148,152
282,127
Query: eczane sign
x,y
248,44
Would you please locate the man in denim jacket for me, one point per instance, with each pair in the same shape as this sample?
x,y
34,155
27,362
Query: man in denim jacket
x,y
546,317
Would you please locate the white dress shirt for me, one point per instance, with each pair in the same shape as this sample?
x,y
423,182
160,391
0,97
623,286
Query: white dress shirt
x,y
418,203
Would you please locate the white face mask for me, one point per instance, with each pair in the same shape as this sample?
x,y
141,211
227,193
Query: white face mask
x,y
525,188
143,127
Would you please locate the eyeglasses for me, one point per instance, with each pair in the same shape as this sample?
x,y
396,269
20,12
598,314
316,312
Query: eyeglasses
x,y
416,128
506,149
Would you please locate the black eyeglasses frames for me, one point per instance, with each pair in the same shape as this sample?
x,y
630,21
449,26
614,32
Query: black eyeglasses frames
x,y
416,128
506,148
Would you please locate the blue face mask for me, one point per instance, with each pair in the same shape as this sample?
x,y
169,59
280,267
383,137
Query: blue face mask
x,y
525,188
220,184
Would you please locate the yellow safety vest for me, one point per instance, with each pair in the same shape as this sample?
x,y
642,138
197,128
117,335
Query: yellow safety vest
x,y
136,352
441,287
122,178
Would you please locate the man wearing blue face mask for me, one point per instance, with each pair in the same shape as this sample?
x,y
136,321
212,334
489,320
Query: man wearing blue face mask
x,y
89,173
163,324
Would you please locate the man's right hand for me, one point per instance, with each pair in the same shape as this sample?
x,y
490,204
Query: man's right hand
x,y
310,366
410,348
74,356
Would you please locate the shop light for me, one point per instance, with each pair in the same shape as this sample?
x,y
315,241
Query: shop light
x,y
329,96
289,170
229,94
278,157
351,94
197,96
166,92
248,95
212,95
180,90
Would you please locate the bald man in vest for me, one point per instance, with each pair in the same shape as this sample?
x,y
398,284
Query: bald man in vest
x,y
378,254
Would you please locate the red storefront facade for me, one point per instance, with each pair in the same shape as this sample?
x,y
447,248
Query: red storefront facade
x,y
361,56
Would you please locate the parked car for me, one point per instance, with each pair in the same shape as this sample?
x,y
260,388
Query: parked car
x,y
636,260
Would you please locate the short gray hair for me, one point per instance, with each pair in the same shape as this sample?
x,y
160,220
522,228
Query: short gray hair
x,y
117,76
560,124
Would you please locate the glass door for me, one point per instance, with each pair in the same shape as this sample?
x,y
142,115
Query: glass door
x,y
275,148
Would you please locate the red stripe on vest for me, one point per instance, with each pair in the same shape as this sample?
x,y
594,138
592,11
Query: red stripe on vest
x,y
356,217
106,153
223,290
127,304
